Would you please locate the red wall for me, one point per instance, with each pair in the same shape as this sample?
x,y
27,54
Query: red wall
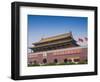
x,y
60,55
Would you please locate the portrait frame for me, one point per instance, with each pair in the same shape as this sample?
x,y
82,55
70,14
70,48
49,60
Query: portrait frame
x,y
15,39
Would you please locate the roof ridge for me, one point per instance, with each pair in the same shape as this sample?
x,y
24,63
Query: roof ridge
x,y
55,36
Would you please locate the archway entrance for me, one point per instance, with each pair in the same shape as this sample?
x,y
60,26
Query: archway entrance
x,y
55,61
44,61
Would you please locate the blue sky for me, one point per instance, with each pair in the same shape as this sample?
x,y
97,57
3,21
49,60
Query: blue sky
x,y
40,26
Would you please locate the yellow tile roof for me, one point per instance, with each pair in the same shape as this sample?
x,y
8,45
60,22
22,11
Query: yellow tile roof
x,y
51,44
54,37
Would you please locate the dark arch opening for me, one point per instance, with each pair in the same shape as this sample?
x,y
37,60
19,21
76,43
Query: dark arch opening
x,y
55,61
30,62
65,60
44,60
35,62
